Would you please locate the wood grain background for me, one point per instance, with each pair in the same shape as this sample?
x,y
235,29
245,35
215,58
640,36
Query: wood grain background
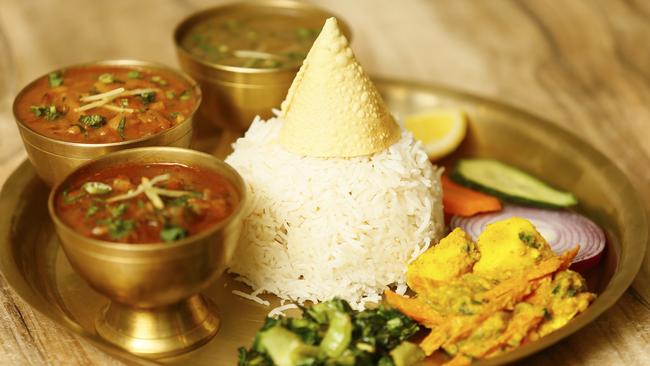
x,y
582,63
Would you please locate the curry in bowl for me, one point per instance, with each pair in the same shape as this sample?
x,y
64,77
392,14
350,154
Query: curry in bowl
x,y
145,203
98,103
254,39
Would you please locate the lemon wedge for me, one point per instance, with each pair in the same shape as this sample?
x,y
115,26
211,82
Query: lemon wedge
x,y
440,130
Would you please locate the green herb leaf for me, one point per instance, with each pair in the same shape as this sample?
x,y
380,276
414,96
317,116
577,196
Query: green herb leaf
x,y
170,94
50,112
172,233
96,188
124,102
119,210
120,127
106,78
133,74
148,98
68,199
55,78
93,120
185,95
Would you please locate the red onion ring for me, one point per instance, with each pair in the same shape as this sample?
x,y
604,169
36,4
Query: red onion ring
x,y
563,230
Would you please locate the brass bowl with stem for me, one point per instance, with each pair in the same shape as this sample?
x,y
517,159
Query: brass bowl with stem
x,y
156,308
53,159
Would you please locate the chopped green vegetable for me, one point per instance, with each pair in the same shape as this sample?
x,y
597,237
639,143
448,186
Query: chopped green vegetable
x,y
185,95
285,347
133,74
106,78
159,80
331,333
93,120
120,127
170,94
338,335
96,188
55,78
148,97
172,233
407,353
124,102
50,112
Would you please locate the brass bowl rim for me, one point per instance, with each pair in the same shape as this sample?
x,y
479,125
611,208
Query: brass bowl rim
x,y
238,182
118,63
273,4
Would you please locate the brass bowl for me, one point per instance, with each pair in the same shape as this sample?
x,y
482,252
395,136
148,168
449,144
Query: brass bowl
x,y
53,159
233,96
155,307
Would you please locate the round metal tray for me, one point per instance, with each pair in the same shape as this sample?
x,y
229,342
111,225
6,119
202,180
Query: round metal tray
x,y
36,268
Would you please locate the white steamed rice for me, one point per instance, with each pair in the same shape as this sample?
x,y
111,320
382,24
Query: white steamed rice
x,y
316,228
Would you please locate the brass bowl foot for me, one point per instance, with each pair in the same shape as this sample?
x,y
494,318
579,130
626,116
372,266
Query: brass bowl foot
x,y
161,331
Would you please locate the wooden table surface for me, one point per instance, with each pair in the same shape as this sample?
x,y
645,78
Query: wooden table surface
x,y
582,63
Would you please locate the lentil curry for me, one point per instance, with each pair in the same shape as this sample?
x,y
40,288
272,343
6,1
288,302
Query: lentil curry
x,y
104,104
138,203
253,40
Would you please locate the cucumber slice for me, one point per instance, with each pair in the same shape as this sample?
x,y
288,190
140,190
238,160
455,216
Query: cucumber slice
x,y
509,184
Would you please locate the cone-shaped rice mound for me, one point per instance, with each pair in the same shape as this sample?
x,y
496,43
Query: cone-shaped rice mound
x,y
340,202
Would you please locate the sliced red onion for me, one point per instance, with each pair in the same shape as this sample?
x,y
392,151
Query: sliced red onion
x,y
563,230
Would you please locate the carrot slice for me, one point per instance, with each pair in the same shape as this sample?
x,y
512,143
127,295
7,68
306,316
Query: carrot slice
x,y
461,201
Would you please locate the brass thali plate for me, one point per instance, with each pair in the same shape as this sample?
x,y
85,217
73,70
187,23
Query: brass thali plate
x,y
36,268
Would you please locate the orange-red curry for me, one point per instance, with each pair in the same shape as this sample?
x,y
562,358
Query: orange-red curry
x,y
104,104
146,203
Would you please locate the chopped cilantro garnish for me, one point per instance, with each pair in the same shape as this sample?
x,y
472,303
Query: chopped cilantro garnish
x,y
68,199
55,78
120,127
124,102
133,74
119,210
147,97
106,78
117,228
93,120
92,209
96,188
172,233
50,112
170,94
185,95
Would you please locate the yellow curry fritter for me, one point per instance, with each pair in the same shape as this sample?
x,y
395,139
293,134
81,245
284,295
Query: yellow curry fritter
x,y
485,298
